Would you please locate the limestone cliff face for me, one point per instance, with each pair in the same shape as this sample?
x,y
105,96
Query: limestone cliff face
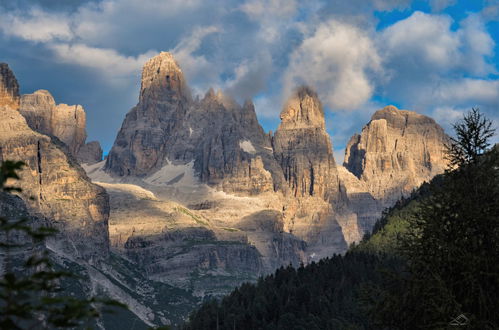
x,y
154,124
223,139
66,122
54,186
233,152
303,148
9,88
396,152
360,201
90,153
314,210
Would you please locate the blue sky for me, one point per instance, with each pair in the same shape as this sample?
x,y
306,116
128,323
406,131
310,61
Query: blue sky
x,y
437,57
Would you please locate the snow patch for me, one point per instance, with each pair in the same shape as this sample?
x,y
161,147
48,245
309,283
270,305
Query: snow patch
x,y
190,131
174,175
247,146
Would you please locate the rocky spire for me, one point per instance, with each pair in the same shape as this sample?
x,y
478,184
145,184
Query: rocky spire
x,y
227,144
303,147
162,79
154,122
396,152
9,88
66,122
303,110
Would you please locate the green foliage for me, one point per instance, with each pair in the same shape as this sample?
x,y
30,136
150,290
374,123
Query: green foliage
x,y
30,291
321,295
430,258
452,244
472,139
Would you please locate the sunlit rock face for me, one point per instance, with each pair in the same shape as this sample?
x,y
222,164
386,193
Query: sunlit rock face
x,y
315,207
224,139
66,122
303,148
396,152
54,186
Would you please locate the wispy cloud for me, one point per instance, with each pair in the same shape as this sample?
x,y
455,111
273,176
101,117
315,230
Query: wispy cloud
x,y
336,60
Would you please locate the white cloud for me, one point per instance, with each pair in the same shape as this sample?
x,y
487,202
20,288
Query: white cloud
x,y
268,106
422,40
251,77
102,21
37,26
105,60
477,44
446,116
336,60
200,73
272,16
466,91
425,43
439,5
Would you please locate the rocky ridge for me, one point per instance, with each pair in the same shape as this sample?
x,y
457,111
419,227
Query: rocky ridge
x,y
66,122
396,152
224,141
200,196
54,185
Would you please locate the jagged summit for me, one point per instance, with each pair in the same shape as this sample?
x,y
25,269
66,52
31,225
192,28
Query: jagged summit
x,y
162,78
303,147
303,109
396,152
219,97
9,87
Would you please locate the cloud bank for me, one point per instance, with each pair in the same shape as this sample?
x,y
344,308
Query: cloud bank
x,y
358,55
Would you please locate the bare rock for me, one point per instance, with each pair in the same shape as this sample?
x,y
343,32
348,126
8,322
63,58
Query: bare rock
x,y
90,153
223,139
66,122
303,147
360,201
9,88
396,152
54,185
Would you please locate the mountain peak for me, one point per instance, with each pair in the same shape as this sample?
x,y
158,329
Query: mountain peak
x,y
396,152
303,109
9,87
162,77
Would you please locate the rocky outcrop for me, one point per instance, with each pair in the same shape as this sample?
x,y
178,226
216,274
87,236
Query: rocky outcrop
x,y
53,184
154,123
314,210
396,152
265,230
66,122
90,153
360,201
303,147
9,88
223,139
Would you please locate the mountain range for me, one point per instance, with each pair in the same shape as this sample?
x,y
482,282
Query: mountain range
x,y
195,197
